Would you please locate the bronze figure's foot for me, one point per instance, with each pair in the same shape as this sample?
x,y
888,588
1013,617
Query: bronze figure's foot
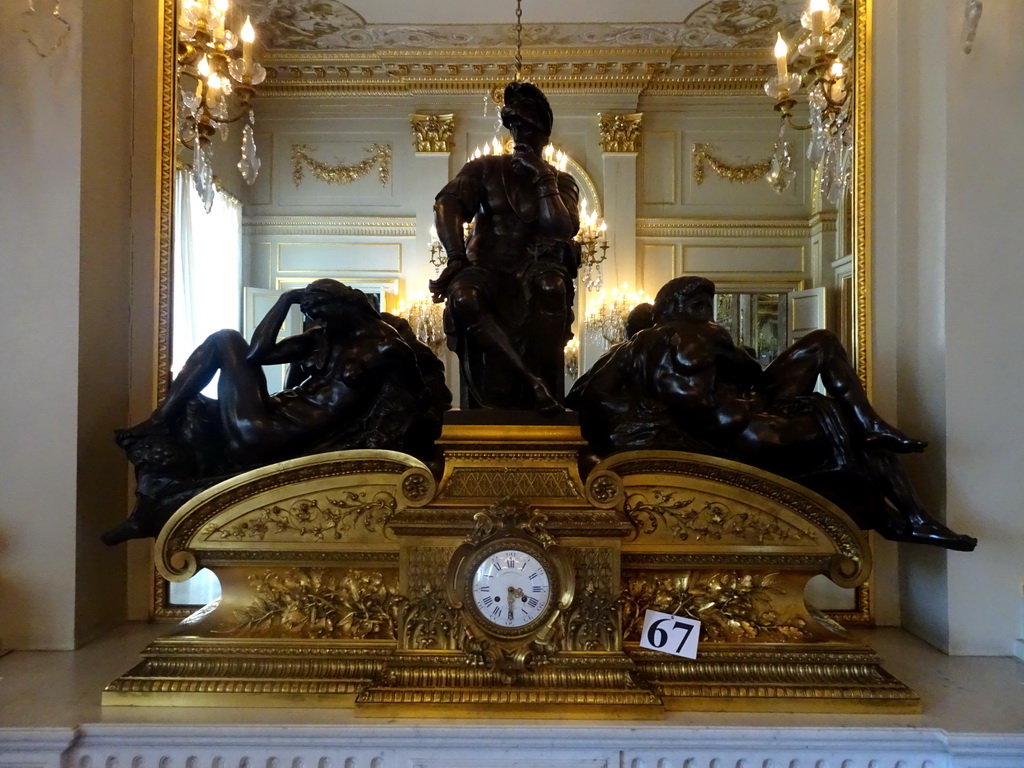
x,y
935,533
547,405
128,529
885,436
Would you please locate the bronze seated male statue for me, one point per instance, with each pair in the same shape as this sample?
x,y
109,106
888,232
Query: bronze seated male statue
x,y
355,381
509,287
683,384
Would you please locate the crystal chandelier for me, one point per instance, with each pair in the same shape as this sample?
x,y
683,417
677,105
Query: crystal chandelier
x,y
591,236
224,77
426,320
606,319
828,96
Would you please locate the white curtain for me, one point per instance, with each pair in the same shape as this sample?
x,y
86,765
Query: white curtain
x,y
207,297
207,269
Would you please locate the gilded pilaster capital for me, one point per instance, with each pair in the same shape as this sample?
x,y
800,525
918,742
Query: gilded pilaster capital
x,y
620,133
433,133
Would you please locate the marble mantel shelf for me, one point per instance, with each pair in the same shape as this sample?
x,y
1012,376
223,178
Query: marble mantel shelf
x,y
50,717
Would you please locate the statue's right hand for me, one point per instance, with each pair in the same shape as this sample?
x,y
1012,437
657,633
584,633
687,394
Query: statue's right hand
x,y
439,287
292,296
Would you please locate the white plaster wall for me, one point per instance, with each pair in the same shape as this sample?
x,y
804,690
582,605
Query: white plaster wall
x,y
65,224
948,277
143,284
40,154
104,276
985,329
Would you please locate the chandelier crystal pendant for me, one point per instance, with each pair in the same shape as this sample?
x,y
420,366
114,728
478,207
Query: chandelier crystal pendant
x,y
823,74
224,76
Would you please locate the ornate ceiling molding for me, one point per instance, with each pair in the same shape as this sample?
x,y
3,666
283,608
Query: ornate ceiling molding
x,y
655,71
333,25
327,48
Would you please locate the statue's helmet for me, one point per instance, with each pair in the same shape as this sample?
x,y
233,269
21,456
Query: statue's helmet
x,y
673,295
322,294
528,103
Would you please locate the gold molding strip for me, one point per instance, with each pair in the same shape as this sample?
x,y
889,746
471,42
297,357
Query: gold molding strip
x,y
742,174
341,173
165,213
375,226
671,227
862,156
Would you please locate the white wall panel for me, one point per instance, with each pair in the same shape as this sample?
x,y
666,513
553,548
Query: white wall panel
x,y
259,259
659,163
659,263
350,257
742,258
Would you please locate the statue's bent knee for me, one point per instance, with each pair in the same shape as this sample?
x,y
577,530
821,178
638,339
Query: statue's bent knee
x,y
466,303
550,291
823,339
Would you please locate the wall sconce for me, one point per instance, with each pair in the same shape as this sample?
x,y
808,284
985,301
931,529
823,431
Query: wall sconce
x,y
591,237
572,358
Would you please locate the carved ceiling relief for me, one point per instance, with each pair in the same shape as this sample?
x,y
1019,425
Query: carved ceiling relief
x,y
332,25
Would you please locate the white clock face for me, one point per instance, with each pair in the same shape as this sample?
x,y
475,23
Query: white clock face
x,y
511,588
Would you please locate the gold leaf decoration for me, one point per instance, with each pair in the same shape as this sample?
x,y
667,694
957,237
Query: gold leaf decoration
x,y
341,174
592,623
430,622
708,521
319,603
743,174
731,606
309,518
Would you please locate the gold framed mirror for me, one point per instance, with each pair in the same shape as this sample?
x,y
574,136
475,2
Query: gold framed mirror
x,y
441,79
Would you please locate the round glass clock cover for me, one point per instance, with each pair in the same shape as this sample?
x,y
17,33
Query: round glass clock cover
x,y
511,588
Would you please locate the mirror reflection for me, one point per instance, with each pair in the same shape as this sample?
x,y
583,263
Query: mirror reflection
x,y
328,167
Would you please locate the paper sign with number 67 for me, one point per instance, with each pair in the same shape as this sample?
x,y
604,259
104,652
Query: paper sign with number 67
x,y
670,634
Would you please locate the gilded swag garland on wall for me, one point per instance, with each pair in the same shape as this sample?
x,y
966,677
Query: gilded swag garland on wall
x,y
341,173
741,173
